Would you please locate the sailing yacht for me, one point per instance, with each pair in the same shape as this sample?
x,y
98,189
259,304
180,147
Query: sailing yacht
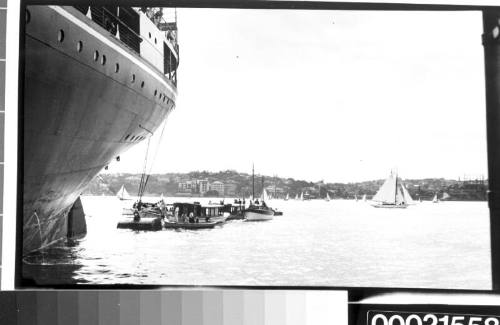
x,y
258,211
302,196
364,197
445,196
123,194
435,199
297,196
327,199
286,198
355,197
392,194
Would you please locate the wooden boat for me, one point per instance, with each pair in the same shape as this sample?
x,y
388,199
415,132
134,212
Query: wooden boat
x,y
195,216
191,226
392,194
141,224
258,211
142,216
235,210
277,212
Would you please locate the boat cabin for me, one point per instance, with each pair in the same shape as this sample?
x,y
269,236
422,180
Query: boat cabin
x,y
195,212
212,210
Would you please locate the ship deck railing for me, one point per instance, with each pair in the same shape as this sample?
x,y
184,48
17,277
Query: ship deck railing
x,y
106,17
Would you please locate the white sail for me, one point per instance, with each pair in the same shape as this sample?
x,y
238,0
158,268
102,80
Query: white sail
x,y
123,194
445,196
387,192
356,197
302,196
400,199
264,197
327,196
364,197
435,199
287,197
407,195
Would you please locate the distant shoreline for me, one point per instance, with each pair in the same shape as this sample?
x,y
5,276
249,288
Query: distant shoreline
x,y
235,184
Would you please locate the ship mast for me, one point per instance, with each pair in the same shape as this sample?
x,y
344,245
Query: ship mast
x,y
263,188
396,191
253,183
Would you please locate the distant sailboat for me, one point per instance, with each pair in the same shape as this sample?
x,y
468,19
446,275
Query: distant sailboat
x,y
302,196
297,196
327,197
435,199
364,197
123,194
445,196
355,197
286,198
392,194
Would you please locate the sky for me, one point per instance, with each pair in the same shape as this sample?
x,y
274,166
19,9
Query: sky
x,y
339,96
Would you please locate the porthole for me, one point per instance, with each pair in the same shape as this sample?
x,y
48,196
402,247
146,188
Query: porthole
x,y
132,138
128,135
156,92
96,55
155,40
28,16
160,95
103,59
60,36
133,77
163,98
79,46
142,84
149,35
117,67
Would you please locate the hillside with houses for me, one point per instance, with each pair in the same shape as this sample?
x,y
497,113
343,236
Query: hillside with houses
x,y
230,183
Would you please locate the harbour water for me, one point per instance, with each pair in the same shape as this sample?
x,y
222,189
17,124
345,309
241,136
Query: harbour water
x,y
315,243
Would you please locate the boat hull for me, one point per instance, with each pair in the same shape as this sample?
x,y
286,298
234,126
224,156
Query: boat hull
x,y
258,215
80,112
191,226
390,206
142,224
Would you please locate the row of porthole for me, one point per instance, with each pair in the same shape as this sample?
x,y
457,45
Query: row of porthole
x,y
79,48
150,37
134,138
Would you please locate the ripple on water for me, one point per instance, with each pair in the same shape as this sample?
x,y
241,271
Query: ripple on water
x,y
334,243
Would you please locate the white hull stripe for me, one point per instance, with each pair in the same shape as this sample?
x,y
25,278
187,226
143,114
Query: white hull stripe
x,y
103,39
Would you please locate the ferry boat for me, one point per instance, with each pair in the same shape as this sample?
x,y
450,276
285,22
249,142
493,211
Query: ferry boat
x,y
195,216
97,81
